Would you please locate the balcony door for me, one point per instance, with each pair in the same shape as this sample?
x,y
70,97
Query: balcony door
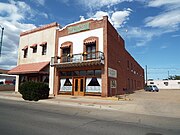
x,y
91,51
79,86
65,54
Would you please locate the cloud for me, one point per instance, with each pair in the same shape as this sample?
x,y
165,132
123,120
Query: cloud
x,y
163,47
176,35
169,18
166,20
39,2
167,3
100,14
94,4
141,35
119,18
12,15
116,18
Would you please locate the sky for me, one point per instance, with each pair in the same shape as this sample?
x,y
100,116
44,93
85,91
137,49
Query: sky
x,y
150,28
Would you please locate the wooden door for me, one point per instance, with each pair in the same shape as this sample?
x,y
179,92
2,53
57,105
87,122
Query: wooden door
x,y
78,86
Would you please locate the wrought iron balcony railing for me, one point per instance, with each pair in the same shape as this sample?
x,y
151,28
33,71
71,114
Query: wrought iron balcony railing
x,y
75,58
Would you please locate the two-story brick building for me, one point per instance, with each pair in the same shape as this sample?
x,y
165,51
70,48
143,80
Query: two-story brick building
x,y
86,58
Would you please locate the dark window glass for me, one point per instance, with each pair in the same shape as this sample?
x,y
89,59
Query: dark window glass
x,y
97,72
62,73
166,83
25,53
76,85
44,49
94,82
67,82
69,73
91,51
90,72
82,73
46,80
65,55
151,82
76,73
35,49
81,89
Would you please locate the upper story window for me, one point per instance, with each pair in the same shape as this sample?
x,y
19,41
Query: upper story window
x,y
34,47
66,54
44,48
91,47
25,49
66,50
91,51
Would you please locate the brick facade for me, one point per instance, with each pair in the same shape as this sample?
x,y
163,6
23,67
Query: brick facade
x,y
129,77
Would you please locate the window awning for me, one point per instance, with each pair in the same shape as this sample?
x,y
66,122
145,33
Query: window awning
x,y
65,46
29,68
43,43
33,45
88,41
25,47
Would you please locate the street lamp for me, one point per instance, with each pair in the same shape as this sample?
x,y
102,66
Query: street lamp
x,y
2,29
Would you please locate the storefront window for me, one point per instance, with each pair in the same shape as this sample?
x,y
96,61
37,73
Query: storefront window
x,y
93,85
62,73
67,82
66,85
97,72
90,72
82,73
76,73
94,82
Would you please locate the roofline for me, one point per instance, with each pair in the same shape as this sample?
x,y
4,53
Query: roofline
x,y
54,24
78,22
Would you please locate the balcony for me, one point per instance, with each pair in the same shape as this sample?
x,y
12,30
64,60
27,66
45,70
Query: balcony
x,y
78,60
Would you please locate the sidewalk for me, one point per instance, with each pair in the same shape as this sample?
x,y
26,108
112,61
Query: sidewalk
x,y
132,104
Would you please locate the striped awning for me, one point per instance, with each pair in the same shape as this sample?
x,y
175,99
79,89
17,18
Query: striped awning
x,y
33,45
43,43
88,41
25,47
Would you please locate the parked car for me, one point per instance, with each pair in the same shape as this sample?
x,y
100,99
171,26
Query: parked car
x,y
151,88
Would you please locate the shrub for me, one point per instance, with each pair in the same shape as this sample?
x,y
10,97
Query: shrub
x,y
34,91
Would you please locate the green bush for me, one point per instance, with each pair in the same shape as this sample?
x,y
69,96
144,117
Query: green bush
x,y
34,91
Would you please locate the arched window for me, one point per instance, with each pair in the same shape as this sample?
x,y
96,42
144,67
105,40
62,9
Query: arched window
x,y
91,47
66,50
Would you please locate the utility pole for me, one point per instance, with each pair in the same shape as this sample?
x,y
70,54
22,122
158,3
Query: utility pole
x,y
2,29
146,75
168,75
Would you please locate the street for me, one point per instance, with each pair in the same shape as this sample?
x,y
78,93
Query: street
x,y
33,118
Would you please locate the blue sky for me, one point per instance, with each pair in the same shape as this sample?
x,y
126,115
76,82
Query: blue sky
x,y
150,28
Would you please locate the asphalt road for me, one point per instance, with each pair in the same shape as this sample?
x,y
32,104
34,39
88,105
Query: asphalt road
x,y
34,118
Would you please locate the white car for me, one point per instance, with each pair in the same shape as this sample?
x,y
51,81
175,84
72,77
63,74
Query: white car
x,y
151,88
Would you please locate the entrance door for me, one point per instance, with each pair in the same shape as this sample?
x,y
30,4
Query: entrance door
x,y
78,86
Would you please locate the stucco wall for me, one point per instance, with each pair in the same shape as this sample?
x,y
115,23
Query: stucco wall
x,y
166,84
47,35
77,40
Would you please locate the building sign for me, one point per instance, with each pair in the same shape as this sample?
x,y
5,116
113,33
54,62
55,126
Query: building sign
x,y
112,73
113,83
78,28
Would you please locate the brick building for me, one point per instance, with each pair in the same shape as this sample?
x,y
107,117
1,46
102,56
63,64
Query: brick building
x,y
86,58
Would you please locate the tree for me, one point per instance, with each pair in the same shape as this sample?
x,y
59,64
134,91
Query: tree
x,y
175,77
